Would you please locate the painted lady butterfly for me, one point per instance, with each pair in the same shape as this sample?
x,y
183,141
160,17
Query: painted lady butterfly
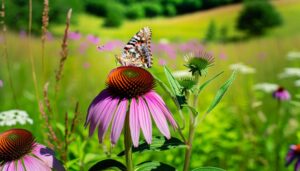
x,y
137,51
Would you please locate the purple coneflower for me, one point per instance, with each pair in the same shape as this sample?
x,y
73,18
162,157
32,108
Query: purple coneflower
x,y
281,94
294,154
19,151
129,97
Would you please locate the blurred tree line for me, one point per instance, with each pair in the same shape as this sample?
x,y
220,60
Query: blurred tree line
x,y
114,11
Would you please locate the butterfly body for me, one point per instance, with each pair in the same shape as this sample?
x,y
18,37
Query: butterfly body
x,y
137,51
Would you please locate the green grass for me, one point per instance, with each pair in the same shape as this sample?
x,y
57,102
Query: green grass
x,y
232,137
175,29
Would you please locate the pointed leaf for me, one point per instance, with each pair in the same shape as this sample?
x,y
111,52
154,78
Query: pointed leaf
x,y
175,87
164,86
154,166
158,144
108,164
221,92
208,81
208,169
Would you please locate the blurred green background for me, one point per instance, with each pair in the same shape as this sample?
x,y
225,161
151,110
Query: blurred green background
x,y
237,135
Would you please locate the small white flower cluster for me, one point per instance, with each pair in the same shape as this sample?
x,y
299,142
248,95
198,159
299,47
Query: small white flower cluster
x,y
12,117
266,87
293,55
242,68
290,72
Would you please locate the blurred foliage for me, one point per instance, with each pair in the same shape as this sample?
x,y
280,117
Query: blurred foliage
x,y
115,15
17,13
211,32
257,16
135,12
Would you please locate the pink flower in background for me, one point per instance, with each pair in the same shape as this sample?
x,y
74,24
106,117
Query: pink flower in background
x,y
223,56
123,102
22,34
86,65
74,35
1,83
83,47
167,48
162,62
281,94
19,151
49,36
110,46
191,46
93,39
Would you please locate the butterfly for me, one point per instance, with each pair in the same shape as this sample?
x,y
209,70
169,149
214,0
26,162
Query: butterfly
x,y
137,51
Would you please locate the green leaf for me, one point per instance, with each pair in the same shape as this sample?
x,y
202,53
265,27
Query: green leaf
x,y
221,92
175,87
208,81
154,166
208,169
164,86
158,144
192,109
108,164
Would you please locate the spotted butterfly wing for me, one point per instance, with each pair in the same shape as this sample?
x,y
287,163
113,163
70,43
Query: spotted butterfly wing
x,y
137,51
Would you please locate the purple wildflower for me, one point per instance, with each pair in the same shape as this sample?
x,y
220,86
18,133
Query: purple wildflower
x,y
281,94
129,95
162,62
22,34
74,35
19,151
93,39
294,154
109,46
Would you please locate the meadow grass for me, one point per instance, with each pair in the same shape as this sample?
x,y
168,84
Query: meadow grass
x,y
232,137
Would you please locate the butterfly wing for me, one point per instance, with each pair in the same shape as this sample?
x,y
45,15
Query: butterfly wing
x,y
137,52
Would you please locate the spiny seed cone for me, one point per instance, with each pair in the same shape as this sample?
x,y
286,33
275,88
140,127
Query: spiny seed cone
x,y
129,81
14,144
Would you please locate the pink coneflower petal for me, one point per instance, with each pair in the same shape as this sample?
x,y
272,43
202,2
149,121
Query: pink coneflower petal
x,y
159,119
106,118
95,111
118,122
145,120
156,98
32,163
134,122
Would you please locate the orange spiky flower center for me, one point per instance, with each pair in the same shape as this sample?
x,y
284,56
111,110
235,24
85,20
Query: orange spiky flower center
x,y
129,81
14,144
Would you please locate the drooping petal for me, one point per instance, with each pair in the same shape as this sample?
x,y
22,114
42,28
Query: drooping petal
x,y
297,165
158,117
118,121
46,155
290,157
32,163
106,118
134,122
157,99
145,120
96,109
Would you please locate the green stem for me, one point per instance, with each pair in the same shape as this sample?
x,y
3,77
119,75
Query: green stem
x,y
128,144
278,137
188,152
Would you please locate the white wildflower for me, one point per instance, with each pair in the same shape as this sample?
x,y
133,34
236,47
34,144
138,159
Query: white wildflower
x,y
293,55
297,83
266,87
290,72
242,68
12,117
